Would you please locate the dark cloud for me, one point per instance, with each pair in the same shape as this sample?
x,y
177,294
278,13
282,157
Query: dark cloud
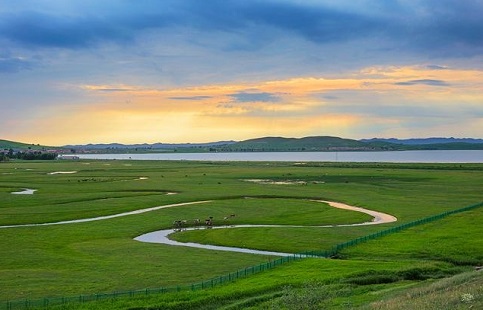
x,y
315,23
38,29
255,97
424,82
446,28
58,29
191,98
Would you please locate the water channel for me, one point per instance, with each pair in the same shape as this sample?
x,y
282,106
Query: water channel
x,y
437,156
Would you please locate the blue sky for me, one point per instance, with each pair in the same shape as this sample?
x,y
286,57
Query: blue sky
x,y
198,71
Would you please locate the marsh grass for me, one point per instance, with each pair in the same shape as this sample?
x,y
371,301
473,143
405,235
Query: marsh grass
x,y
463,291
455,239
99,257
304,283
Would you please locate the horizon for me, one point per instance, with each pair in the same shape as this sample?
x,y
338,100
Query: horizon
x,y
176,71
235,141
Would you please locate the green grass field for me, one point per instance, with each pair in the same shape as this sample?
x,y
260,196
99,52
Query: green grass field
x,y
102,257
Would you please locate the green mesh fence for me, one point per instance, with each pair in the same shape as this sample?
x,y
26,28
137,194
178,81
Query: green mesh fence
x,y
46,302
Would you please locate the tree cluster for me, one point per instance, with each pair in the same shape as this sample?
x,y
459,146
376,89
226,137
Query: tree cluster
x,y
26,155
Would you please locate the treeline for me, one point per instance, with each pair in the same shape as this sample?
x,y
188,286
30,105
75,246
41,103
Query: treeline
x,y
26,155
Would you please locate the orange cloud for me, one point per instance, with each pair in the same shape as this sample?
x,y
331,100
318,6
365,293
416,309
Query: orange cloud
x,y
291,107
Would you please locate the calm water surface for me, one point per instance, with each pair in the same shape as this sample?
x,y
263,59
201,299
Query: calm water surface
x,y
471,156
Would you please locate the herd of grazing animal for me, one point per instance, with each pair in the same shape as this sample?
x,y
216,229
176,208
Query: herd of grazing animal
x,y
180,225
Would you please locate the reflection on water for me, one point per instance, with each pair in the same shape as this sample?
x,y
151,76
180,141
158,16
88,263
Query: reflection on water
x,y
26,191
161,236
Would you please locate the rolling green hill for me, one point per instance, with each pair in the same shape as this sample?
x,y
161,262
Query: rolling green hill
x,y
321,143
6,144
265,144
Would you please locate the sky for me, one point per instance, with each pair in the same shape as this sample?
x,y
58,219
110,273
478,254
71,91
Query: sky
x,y
176,71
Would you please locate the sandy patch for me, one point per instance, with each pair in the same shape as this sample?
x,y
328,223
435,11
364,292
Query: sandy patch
x,y
272,182
171,193
378,217
62,172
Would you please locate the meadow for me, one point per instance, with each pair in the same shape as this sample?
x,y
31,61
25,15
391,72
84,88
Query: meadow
x,y
101,256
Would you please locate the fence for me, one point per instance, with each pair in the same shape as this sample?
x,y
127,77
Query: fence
x,y
45,302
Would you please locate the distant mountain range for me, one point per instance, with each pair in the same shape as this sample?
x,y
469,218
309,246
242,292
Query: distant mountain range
x,y
327,143
267,144
270,144
148,146
424,141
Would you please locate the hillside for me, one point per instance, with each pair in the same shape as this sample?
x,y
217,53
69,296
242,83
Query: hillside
x,y
266,144
6,145
426,141
328,143
146,146
322,143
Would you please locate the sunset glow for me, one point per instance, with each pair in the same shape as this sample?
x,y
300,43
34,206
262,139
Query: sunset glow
x,y
192,76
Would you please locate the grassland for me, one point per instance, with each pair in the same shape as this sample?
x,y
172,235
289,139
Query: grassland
x,y
94,257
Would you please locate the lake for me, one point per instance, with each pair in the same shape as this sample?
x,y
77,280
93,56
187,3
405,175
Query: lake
x,y
438,156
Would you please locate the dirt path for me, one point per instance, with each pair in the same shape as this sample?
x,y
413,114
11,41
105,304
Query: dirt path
x,y
106,217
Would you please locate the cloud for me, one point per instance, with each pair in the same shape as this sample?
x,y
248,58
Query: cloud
x,y
428,82
448,28
56,28
109,88
10,64
357,104
194,98
255,97
113,89
436,67
32,29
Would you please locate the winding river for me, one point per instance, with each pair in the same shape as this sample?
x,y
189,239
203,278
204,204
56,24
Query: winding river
x,y
162,236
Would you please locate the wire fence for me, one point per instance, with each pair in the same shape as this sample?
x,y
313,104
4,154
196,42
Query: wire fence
x,y
51,301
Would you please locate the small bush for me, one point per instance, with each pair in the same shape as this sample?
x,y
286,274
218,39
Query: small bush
x,y
373,279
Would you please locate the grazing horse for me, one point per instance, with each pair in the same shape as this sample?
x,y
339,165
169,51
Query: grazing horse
x,y
226,218
209,222
177,225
